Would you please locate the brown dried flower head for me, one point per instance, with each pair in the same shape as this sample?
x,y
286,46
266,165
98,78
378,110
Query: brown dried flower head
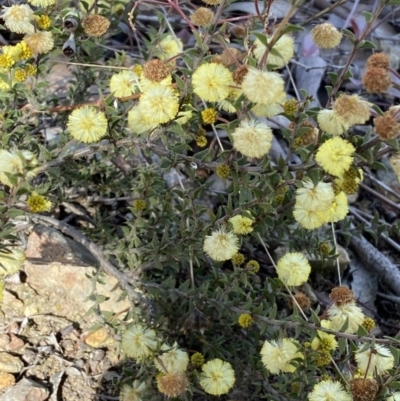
x,y
364,389
302,300
352,109
172,384
381,60
326,36
239,74
155,70
238,31
202,16
228,57
95,25
310,137
376,80
342,295
386,126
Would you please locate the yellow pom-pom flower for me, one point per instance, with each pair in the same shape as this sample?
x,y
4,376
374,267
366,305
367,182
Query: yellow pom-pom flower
x,y
170,47
209,116
42,3
6,61
197,359
328,390
309,219
378,359
263,87
284,46
18,18
324,341
20,75
335,156
277,356
212,81
137,123
217,377
221,245
38,203
338,314
352,109
159,104
316,198
223,171
43,21
40,42
253,266
175,360
326,36
124,83
133,392
87,124
245,320
241,224
293,268
331,123
238,259
337,210
139,342
252,138
30,70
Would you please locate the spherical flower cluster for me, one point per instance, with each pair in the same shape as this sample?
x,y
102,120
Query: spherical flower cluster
x,y
132,392
197,359
137,122
6,61
368,324
124,83
377,360
87,124
352,109
284,46
11,261
40,42
376,80
342,295
172,384
277,356
17,18
170,47
241,224
263,87
43,21
209,116
245,320
38,203
252,138
302,300
139,204
381,60
217,377
335,156
331,123
327,390
221,245
202,16
95,25
324,342
339,314
139,342
238,259
42,3
13,163
155,70
317,198
175,360
211,82
386,126
326,36
364,389
293,268
291,107
223,171
21,51
201,141
20,75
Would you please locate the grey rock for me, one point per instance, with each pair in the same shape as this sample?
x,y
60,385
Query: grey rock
x,y
26,390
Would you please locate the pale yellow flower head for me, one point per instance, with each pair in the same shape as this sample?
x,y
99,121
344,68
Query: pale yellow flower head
x,y
241,224
309,219
293,268
324,342
139,342
277,356
339,314
378,360
133,392
284,46
14,162
315,198
87,124
40,42
217,377
335,156
352,109
174,360
338,209
18,18
124,83
137,123
221,245
212,81
252,138
42,3
159,104
146,84
38,203
12,261
170,47
331,123
326,36
328,390
263,87
272,110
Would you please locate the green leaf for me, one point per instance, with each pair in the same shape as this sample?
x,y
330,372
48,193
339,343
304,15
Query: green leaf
x,y
349,34
333,76
367,15
329,89
273,311
362,331
366,44
292,28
